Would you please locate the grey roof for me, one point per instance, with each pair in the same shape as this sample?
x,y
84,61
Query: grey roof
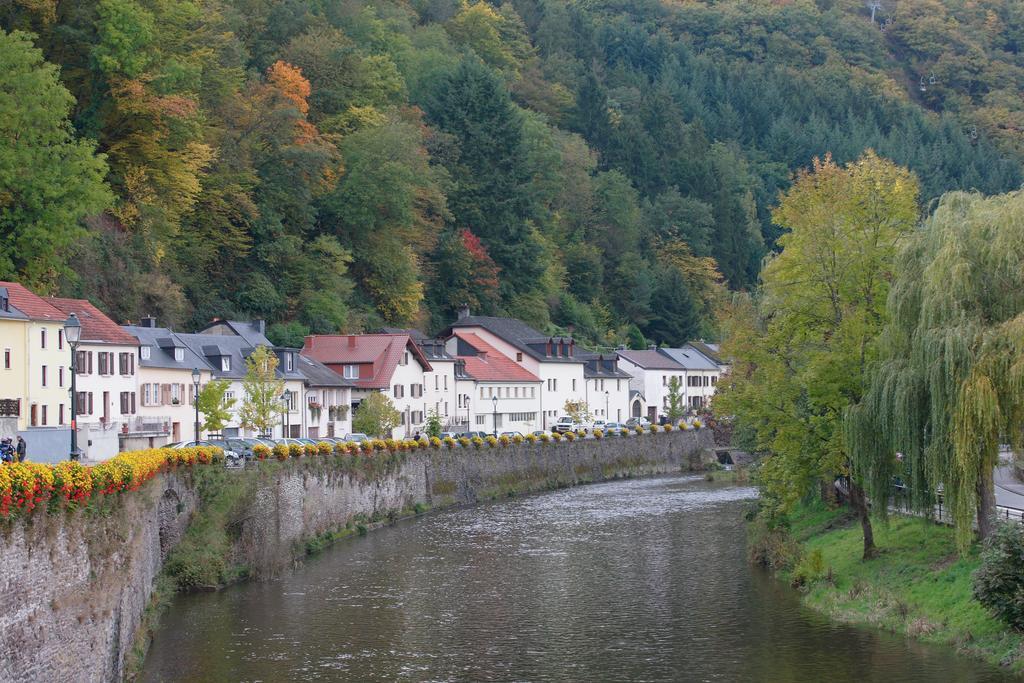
x,y
601,365
213,347
319,375
691,359
161,343
433,349
650,359
414,333
518,334
251,331
12,312
712,351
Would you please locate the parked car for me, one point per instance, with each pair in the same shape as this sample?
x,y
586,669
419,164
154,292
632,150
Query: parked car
x,y
614,428
511,435
228,453
234,444
450,435
356,437
566,424
541,432
641,421
472,435
599,424
294,442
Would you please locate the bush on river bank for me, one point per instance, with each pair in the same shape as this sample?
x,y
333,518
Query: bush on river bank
x,y
918,586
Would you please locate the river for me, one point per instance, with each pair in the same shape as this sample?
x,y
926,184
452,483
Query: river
x,y
642,580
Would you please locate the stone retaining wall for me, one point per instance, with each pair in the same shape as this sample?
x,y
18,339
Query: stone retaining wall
x,y
73,586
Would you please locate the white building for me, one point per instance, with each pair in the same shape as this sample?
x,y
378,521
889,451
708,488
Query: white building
x,y
506,396
392,364
651,371
328,400
606,387
225,345
553,360
106,379
702,375
165,392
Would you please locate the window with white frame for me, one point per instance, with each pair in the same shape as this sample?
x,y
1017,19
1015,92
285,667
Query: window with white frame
x,y
350,372
289,362
144,352
179,355
176,393
225,363
230,396
522,417
481,419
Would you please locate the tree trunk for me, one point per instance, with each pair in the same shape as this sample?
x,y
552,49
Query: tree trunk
x,y
860,505
986,505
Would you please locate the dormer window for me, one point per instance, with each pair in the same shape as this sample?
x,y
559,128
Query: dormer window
x,y
144,352
225,363
351,372
289,362
5,304
179,355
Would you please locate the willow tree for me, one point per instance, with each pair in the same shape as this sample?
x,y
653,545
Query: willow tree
x,y
948,386
803,344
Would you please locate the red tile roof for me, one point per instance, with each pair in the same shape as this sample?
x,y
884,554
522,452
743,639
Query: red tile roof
x,y
30,304
491,365
96,326
382,351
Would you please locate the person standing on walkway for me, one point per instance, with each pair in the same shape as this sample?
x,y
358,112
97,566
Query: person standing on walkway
x,y
22,448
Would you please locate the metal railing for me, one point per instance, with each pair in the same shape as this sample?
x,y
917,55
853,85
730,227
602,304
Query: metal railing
x,y
137,424
901,504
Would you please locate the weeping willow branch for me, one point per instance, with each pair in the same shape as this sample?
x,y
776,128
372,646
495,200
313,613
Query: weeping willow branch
x,y
947,388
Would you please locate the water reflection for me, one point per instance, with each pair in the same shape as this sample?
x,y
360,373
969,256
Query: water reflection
x,y
639,580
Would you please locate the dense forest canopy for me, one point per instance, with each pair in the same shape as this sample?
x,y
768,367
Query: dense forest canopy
x,y
343,164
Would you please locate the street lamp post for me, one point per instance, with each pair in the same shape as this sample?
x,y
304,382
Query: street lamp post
x,y
494,402
286,403
606,406
195,397
73,333
468,417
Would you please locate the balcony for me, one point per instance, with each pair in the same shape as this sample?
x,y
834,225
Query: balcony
x,y
146,424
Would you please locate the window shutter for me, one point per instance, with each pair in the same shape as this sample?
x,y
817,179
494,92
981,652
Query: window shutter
x,y
90,403
131,363
133,403
165,394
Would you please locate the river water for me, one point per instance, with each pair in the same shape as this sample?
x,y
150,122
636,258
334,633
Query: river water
x,y
642,580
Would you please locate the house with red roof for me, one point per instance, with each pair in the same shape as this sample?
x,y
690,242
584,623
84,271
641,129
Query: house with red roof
x,y
106,378
504,396
392,364
34,371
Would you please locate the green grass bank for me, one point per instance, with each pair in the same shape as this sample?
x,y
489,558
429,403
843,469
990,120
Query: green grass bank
x,y
918,585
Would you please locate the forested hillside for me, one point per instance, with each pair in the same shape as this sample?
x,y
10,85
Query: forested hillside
x,y
343,164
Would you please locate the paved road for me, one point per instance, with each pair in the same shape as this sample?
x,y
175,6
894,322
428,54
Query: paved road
x,y
1009,489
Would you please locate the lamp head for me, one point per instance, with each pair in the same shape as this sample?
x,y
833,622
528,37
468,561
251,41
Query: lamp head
x,y
195,376
72,329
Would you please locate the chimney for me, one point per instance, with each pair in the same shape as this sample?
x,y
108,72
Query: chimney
x,y
463,311
352,341
652,347
260,325
148,321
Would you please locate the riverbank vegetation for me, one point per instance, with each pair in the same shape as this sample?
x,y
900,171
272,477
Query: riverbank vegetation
x,y
884,349
918,585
